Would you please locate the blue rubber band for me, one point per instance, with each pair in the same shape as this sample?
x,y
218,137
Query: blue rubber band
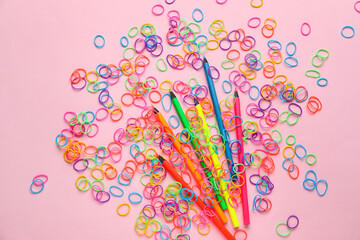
x,y
310,181
93,117
177,119
135,193
307,95
317,190
283,163
254,202
223,86
137,148
289,64
286,48
116,195
178,44
57,142
96,45
274,41
186,228
258,92
311,171
277,146
299,145
125,184
322,84
42,186
162,102
127,41
347,27
96,86
161,232
264,183
202,15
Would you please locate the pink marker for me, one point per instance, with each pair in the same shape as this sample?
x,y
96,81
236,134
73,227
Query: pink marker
x,y
239,136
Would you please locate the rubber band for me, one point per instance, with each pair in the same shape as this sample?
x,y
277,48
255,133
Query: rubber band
x,y
302,29
157,65
136,32
103,41
349,36
287,51
310,155
33,183
131,56
40,176
317,190
282,234
227,61
293,166
241,230
286,60
275,130
287,139
312,71
162,102
158,6
256,6
233,58
137,194
177,120
193,15
288,222
122,183
205,233
254,26
319,82
152,98
289,147
127,41
166,89
83,178
116,195
229,84
355,6
258,92
301,146
126,213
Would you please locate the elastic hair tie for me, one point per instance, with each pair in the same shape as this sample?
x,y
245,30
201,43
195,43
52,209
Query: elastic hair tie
x,y
221,3
125,184
116,195
326,187
355,6
137,194
193,15
322,82
302,29
288,220
254,26
33,183
282,234
229,84
256,6
177,121
158,6
103,41
127,41
348,27
126,213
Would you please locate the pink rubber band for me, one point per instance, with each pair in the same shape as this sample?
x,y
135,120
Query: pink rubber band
x,y
39,176
358,10
97,130
103,118
254,18
302,27
218,2
158,6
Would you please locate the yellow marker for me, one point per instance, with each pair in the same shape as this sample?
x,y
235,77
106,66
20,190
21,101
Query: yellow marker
x,y
217,165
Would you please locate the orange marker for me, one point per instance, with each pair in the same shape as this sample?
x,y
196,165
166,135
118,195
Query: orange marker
x,y
188,162
199,201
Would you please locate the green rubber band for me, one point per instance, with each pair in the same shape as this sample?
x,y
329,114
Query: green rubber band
x,y
197,25
157,65
255,50
87,87
154,220
129,48
169,219
86,189
137,31
217,30
199,44
137,221
149,26
193,79
312,71
317,65
129,88
312,155
227,61
252,160
87,164
95,189
322,50
144,144
142,175
287,139
286,111
227,99
275,130
293,123
282,234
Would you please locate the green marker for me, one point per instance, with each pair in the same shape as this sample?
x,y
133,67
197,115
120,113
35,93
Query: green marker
x,y
186,125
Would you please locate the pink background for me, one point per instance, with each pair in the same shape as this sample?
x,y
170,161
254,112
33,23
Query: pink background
x,y
42,42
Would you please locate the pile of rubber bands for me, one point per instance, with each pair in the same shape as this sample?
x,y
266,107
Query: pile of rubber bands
x,y
146,138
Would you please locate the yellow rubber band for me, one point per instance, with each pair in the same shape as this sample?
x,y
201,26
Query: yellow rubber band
x,y
126,213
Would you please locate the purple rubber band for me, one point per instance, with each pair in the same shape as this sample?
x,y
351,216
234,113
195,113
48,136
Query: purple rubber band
x,y
216,70
224,48
297,223
294,104
102,201
246,37
149,205
78,88
234,31
264,100
80,170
